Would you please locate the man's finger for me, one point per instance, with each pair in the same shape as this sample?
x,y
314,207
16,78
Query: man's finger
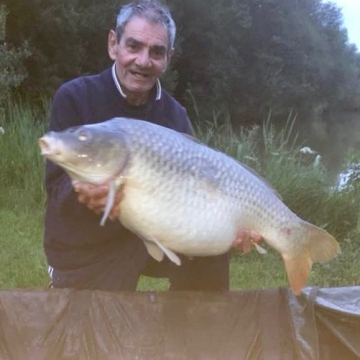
x,y
83,198
245,239
256,237
95,197
246,245
114,214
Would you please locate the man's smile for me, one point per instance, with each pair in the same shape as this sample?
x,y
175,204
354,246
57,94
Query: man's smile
x,y
139,75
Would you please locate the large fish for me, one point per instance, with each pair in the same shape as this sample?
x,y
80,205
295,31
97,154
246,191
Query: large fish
x,y
181,196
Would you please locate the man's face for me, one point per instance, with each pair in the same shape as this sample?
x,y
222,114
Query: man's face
x,y
140,57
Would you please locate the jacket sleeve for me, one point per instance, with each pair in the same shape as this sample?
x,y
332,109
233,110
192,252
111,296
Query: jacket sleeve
x,y
188,128
184,123
64,114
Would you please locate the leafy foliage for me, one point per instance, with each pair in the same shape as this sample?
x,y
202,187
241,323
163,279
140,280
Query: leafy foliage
x,y
252,55
243,56
68,39
12,71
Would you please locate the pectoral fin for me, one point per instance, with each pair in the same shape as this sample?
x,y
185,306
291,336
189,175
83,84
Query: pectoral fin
x,y
113,187
109,202
157,251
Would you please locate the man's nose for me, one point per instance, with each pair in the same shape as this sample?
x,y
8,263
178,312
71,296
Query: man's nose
x,y
143,59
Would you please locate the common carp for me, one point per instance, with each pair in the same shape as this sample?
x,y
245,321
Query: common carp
x,y
181,196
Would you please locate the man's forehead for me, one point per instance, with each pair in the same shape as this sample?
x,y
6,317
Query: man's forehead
x,y
146,31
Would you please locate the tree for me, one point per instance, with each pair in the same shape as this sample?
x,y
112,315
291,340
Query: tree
x,y
249,56
244,57
12,71
68,39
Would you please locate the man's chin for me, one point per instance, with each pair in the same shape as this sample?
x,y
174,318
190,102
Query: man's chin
x,y
139,89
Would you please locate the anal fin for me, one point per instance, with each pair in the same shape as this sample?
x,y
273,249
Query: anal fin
x,y
298,270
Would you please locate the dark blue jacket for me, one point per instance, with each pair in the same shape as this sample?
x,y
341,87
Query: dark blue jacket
x,y
74,240
73,236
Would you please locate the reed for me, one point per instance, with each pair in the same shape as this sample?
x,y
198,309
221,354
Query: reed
x,y
272,153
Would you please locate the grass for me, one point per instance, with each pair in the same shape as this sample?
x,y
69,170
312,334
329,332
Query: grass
x,y
22,263
273,154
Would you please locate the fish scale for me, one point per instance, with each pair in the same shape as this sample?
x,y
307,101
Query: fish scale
x,y
181,196
174,209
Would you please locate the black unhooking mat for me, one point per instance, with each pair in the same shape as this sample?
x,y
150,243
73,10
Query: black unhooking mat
x,y
266,324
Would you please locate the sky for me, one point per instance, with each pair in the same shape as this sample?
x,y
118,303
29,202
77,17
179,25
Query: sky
x,y
351,14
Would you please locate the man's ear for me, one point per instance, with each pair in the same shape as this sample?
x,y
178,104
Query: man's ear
x,y
112,45
169,57
170,54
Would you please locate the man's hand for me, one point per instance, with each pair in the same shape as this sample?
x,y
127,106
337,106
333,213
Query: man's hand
x,y
245,239
94,197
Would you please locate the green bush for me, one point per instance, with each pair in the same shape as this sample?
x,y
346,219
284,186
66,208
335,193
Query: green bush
x,y
12,71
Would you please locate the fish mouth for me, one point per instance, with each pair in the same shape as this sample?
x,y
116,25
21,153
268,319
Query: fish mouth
x,y
46,147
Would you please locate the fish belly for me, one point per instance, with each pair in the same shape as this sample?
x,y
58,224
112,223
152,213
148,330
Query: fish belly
x,y
196,223
193,200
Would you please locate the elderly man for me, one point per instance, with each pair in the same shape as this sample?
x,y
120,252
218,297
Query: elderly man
x,y
81,254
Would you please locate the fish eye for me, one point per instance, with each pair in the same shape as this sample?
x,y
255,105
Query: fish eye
x,y
83,135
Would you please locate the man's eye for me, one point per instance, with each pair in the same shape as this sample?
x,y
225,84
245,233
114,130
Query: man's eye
x,y
133,46
158,53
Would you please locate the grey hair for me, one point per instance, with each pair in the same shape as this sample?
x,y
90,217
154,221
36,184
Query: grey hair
x,y
151,10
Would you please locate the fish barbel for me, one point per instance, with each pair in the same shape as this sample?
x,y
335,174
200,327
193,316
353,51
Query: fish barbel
x,y
181,196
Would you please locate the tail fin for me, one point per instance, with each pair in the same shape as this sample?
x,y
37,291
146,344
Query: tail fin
x,y
320,246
